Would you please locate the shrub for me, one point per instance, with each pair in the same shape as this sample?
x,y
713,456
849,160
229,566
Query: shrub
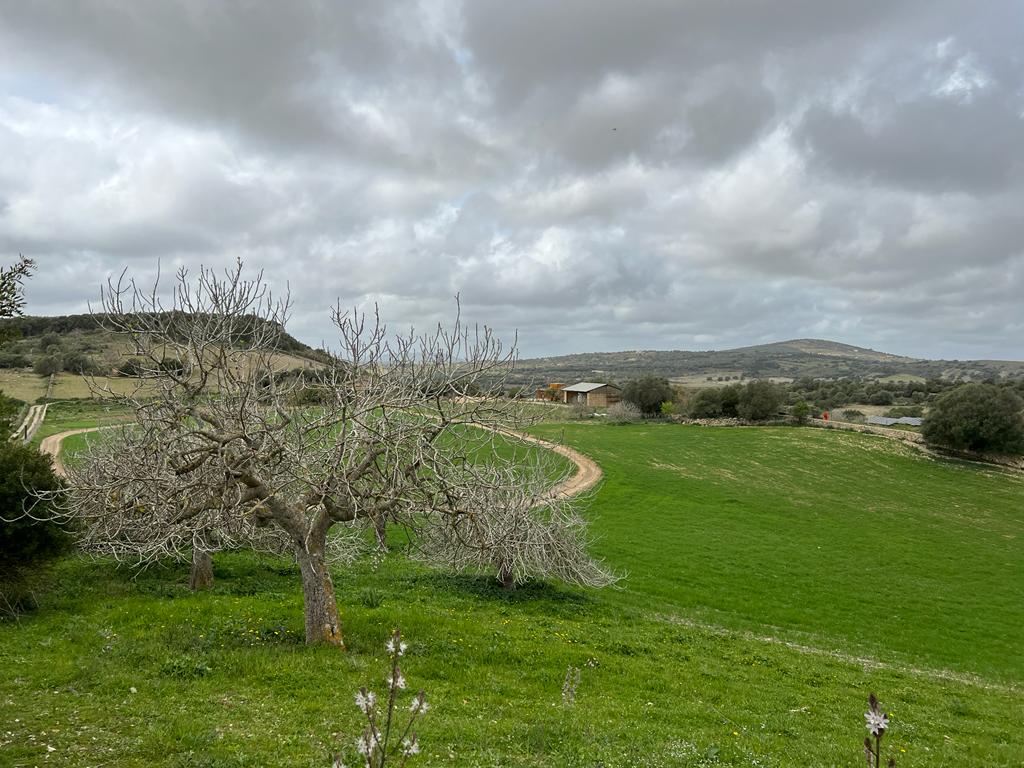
x,y
648,393
759,400
48,365
14,359
905,410
79,362
801,412
881,397
26,545
132,366
580,411
706,404
976,417
623,413
729,397
854,415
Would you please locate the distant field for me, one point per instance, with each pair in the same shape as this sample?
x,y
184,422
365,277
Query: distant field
x,y
64,416
898,377
774,576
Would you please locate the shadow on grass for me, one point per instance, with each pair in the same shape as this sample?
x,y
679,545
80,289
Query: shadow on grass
x,y
486,587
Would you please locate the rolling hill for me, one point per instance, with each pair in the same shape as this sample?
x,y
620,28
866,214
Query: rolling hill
x,y
815,358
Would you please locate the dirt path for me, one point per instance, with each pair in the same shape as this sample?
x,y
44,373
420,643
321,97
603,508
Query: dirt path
x,y
588,473
51,445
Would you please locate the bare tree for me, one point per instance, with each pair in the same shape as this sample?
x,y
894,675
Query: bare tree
x,y
225,448
529,529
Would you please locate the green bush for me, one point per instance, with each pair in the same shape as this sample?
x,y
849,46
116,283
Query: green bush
x,y
48,365
801,412
11,358
881,397
706,404
977,417
648,393
26,546
759,400
905,410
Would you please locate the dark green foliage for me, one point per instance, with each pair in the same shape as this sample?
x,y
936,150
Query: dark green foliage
x,y
10,408
25,545
977,417
79,362
131,367
12,297
881,397
905,410
759,401
801,412
648,393
11,358
706,404
729,397
48,365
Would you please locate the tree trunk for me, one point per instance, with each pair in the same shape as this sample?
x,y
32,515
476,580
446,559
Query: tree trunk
x,y
202,570
506,578
322,622
380,527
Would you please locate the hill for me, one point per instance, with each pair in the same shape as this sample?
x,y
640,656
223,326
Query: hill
x,y
33,348
797,358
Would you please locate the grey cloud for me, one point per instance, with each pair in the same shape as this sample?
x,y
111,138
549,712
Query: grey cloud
x,y
648,174
933,144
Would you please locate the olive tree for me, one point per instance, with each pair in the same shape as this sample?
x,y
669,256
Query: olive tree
x,y
222,450
976,417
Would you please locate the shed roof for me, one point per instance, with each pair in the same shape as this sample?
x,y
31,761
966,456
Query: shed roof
x,y
586,386
886,421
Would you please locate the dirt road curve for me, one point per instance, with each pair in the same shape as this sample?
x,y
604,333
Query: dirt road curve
x,y
588,473
51,445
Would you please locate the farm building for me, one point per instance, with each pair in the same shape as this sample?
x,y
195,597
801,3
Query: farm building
x,y
591,393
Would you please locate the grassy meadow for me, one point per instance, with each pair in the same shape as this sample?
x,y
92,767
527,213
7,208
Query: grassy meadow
x,y
773,577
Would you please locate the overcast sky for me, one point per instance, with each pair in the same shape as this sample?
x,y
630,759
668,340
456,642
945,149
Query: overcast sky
x,y
598,175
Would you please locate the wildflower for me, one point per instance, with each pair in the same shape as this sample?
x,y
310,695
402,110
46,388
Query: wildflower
x,y
410,746
364,745
365,700
419,704
877,722
396,680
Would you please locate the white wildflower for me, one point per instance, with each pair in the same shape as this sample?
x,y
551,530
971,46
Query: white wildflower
x,y
396,647
877,722
365,700
410,746
397,681
419,705
365,744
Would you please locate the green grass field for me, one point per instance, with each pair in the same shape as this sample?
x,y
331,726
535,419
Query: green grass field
x,y
77,414
775,577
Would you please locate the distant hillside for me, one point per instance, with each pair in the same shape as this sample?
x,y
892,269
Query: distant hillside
x,y
798,358
81,344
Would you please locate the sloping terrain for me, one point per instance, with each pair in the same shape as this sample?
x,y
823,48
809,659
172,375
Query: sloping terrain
x,y
815,358
774,576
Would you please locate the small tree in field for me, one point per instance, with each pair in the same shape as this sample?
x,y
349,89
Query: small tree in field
x,y
222,446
